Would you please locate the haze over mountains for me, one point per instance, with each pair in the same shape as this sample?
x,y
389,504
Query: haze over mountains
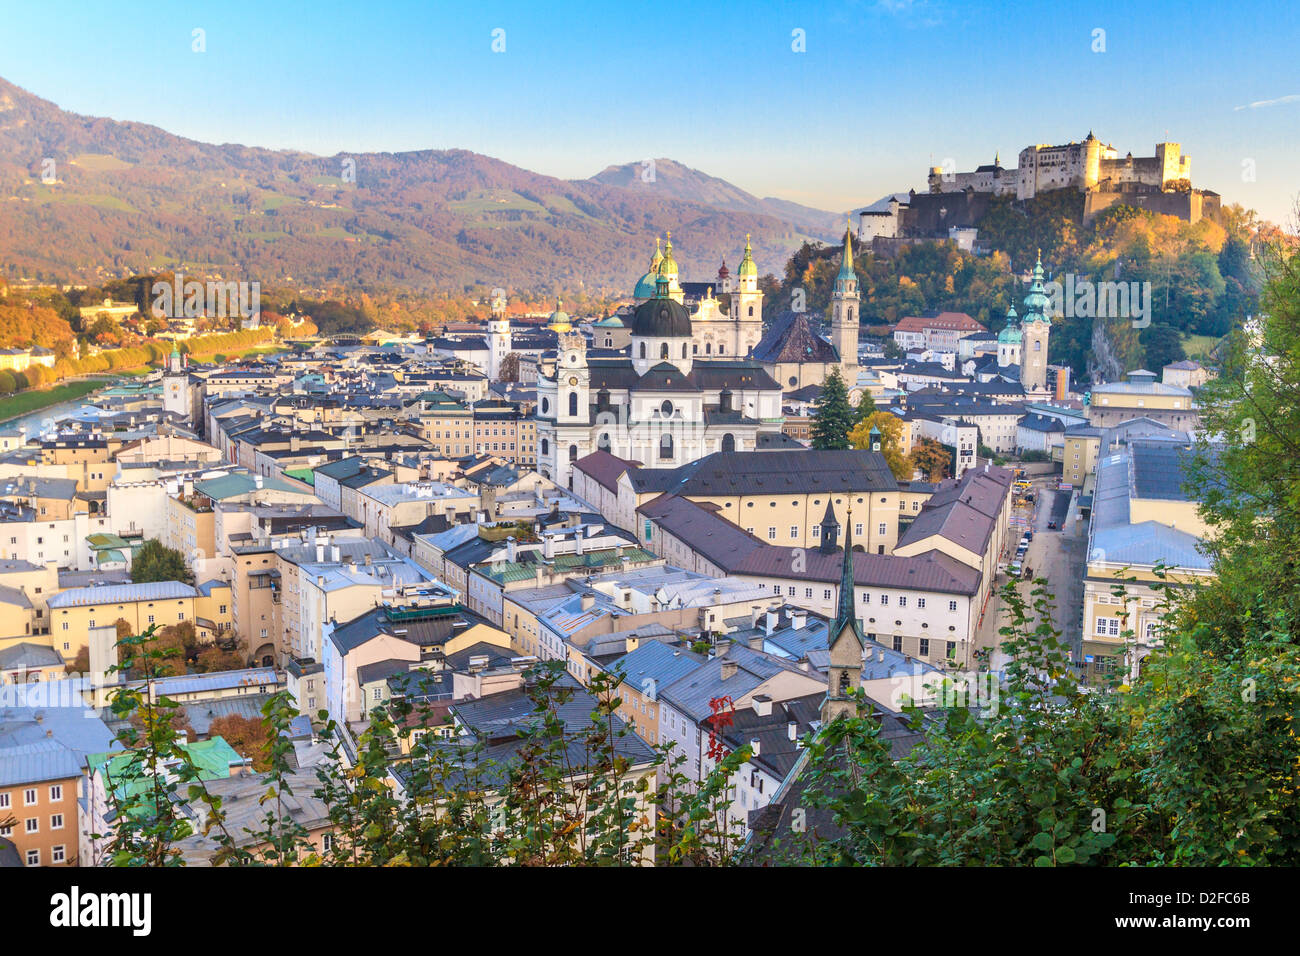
x,y
127,197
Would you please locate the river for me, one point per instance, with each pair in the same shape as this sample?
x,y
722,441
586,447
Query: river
x,y
34,421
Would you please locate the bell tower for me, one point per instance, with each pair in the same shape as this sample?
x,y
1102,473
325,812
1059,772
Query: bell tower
x,y
844,311
498,335
746,305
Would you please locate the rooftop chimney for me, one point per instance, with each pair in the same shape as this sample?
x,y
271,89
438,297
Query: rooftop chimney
x,y
511,549
728,669
792,730
773,618
588,601
798,618
754,746
763,705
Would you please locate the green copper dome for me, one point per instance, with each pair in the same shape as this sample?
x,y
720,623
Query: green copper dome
x,y
748,268
1011,333
645,286
559,319
1036,301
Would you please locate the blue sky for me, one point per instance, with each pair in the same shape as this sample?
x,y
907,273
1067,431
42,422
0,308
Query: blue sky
x,y
883,90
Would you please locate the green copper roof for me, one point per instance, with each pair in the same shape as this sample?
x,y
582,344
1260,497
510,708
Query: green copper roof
x,y
645,286
559,316
846,261
1011,332
1036,301
747,264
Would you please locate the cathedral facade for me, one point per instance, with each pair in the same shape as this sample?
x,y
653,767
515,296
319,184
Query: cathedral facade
x,y
685,389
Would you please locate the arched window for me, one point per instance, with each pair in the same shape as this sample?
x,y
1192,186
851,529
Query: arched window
x,y
666,409
722,349
724,400
666,447
602,399
573,404
573,453
643,350
728,442
546,446
708,348
603,443
663,350
1038,346
695,350
546,406
751,311
683,350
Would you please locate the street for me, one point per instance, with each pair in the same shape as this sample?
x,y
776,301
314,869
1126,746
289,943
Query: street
x,y
1056,556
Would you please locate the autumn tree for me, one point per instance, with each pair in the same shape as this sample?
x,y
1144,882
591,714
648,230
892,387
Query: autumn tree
x,y
510,368
248,735
932,459
891,428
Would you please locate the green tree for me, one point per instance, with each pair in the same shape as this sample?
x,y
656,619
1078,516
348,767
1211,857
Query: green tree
x,y
157,562
891,428
834,416
866,407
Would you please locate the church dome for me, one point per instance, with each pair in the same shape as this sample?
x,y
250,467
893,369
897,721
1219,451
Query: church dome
x,y
747,265
1011,333
661,317
1036,301
645,286
559,320
668,267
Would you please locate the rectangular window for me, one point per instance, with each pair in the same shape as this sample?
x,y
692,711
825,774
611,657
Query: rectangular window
x,y
952,605
57,854
56,793
4,801
56,821
902,600
881,528
884,599
33,825
33,857
925,647
920,602
29,796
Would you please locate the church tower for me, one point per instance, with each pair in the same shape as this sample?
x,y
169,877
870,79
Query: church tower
x,y
498,335
844,673
746,305
1035,329
829,529
1009,340
573,380
844,312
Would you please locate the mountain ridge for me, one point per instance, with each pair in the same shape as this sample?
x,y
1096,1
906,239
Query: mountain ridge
x,y
128,197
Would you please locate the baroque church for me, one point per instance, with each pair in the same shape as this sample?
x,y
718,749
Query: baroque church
x,y
685,388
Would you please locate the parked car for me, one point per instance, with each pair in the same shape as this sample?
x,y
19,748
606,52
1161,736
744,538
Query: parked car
x,y
1051,526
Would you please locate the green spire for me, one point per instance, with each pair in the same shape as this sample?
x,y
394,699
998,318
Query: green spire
x,y
846,613
846,264
747,265
1036,301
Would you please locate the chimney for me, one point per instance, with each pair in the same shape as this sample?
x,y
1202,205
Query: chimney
x,y
798,618
792,730
756,642
548,547
336,553
588,601
728,669
577,543
763,705
368,559
537,572
257,481
755,612
773,618
320,552
511,550
754,746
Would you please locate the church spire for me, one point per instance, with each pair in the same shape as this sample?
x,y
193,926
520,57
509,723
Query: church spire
x,y
846,263
846,613
830,528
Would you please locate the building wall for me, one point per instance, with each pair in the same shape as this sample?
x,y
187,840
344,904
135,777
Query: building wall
x,y
44,803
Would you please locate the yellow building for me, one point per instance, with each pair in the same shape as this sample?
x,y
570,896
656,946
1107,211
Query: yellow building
x,y
1082,448
74,612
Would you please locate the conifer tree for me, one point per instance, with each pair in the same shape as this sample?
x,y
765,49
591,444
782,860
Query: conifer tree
x,y
834,416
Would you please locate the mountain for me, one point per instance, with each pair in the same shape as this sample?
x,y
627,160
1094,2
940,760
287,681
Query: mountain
x,y
670,178
122,197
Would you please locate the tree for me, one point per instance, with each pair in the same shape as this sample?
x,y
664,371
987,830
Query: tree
x,y
891,428
247,735
510,368
932,459
866,407
157,562
834,415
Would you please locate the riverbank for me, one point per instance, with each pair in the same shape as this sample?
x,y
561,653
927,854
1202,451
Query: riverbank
x,y
33,400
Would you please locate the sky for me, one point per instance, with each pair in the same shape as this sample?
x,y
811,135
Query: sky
x,y
879,91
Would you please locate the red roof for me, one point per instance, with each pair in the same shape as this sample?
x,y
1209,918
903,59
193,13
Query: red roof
x,y
942,321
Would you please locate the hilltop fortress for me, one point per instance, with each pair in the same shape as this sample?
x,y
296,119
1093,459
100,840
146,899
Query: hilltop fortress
x,y
956,200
